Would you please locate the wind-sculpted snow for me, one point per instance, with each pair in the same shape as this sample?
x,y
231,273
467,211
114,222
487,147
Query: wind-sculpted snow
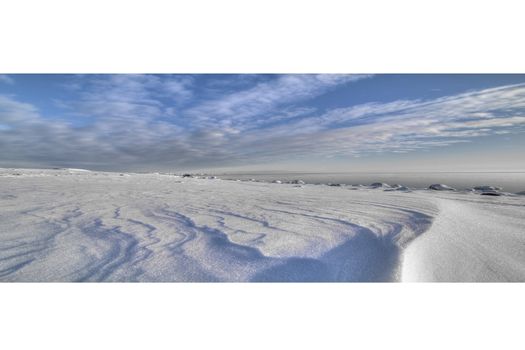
x,y
64,225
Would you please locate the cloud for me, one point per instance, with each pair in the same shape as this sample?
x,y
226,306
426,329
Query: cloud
x,y
400,125
142,122
128,96
6,79
248,107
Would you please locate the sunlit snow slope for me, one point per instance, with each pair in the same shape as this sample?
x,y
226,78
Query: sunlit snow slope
x,y
73,225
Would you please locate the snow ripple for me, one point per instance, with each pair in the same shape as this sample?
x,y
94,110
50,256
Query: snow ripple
x,y
90,228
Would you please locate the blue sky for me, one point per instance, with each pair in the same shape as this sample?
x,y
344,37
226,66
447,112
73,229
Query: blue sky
x,y
255,122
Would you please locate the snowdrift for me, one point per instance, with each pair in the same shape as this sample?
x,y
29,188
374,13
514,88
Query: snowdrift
x,y
64,225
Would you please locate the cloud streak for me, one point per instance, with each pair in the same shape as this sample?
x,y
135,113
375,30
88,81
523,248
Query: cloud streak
x,y
6,79
251,106
143,122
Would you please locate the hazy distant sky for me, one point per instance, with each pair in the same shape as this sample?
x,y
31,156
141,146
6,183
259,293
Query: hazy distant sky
x,y
264,122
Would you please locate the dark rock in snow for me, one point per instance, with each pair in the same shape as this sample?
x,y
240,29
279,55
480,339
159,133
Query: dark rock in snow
x,y
487,188
380,185
440,187
398,188
297,182
491,193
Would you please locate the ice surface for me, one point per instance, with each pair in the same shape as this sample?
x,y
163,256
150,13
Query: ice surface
x,y
64,225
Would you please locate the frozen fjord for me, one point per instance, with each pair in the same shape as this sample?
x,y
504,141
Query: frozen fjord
x,y
73,225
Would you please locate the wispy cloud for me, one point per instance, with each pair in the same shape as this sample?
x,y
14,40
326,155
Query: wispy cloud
x,y
129,96
401,125
143,122
248,107
6,79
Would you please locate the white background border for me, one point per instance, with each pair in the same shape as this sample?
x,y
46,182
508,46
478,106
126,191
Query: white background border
x,y
273,36
261,37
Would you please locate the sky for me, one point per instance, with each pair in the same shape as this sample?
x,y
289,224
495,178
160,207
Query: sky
x,y
260,122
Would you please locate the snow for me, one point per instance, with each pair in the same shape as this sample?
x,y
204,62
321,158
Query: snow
x,y
470,241
59,225
486,188
489,191
398,187
76,170
440,187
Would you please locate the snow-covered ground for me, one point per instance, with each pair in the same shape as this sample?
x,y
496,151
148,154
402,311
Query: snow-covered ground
x,y
74,225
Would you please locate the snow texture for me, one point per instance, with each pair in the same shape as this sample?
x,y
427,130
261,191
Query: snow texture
x,y
73,225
